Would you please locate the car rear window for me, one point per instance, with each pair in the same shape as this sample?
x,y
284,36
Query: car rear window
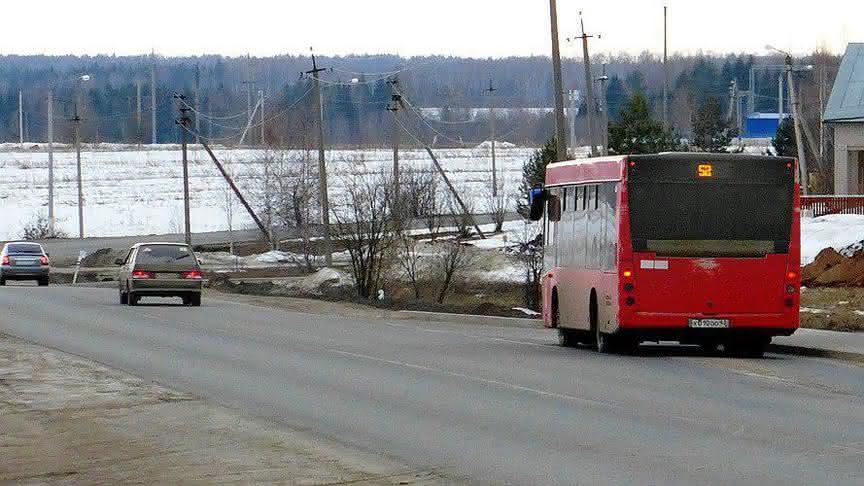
x,y
24,249
165,254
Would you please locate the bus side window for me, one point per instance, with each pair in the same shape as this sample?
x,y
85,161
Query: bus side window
x,y
584,190
596,197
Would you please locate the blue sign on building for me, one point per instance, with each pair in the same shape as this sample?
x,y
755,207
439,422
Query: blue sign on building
x,y
763,125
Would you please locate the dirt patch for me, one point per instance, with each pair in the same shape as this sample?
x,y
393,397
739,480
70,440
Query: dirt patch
x,y
833,269
834,309
65,419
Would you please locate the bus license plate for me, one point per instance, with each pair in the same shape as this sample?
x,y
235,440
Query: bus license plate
x,y
709,323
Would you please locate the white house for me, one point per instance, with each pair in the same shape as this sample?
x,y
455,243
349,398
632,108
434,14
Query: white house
x,y
845,113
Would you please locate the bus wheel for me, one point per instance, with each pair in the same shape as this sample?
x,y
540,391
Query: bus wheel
x,y
567,338
709,346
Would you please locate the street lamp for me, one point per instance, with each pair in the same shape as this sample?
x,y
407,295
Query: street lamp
x,y
796,114
51,217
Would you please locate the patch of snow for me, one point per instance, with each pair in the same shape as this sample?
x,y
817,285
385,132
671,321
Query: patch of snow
x,y
527,312
326,277
859,312
838,231
810,310
843,302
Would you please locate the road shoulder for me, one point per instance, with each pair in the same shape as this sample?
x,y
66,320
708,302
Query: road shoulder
x,y
64,418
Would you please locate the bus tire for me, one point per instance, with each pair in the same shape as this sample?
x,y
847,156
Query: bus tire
x,y
567,338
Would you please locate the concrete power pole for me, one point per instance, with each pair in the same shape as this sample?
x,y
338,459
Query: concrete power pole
x,y
560,134
396,138
261,115
153,101
780,104
575,98
183,121
589,90
796,114
51,218
197,103
491,90
77,128
604,115
20,117
138,111
665,69
322,164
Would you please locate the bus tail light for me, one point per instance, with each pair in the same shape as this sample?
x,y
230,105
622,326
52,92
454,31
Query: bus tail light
x,y
628,274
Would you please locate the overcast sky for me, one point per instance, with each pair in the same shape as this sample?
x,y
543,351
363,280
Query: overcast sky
x,y
477,28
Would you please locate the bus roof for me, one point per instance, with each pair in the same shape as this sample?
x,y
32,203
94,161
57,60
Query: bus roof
x,y
611,169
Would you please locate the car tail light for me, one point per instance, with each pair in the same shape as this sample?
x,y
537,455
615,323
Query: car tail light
x,y
5,260
193,275
141,274
44,260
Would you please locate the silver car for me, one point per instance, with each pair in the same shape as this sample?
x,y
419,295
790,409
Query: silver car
x,y
160,270
22,260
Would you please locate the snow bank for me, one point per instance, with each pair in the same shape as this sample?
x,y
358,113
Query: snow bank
x,y
837,231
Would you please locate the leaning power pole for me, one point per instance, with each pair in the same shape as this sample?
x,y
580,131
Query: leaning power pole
x,y
183,121
558,81
322,163
491,90
796,114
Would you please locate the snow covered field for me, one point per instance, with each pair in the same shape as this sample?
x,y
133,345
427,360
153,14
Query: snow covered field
x,y
837,231
130,192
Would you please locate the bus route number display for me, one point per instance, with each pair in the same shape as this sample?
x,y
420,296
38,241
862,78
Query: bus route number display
x,y
705,170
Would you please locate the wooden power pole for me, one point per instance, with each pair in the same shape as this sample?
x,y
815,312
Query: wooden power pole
x,y
322,163
558,81
491,90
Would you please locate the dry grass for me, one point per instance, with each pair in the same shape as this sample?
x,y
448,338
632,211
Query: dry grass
x,y
835,309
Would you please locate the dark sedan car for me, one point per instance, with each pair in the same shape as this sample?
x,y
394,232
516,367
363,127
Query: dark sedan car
x,y
24,261
160,270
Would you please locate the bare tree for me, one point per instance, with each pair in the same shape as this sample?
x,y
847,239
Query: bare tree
x,y
529,252
462,220
409,262
364,218
451,262
39,228
496,206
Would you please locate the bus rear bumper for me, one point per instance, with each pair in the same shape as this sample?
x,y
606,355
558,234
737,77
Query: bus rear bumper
x,y
676,327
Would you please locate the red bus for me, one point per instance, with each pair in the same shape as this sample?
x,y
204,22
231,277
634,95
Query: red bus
x,y
695,248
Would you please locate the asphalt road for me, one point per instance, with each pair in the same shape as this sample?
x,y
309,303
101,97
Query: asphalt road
x,y
479,402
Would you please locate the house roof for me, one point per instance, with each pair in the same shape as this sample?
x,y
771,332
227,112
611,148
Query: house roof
x,y
847,97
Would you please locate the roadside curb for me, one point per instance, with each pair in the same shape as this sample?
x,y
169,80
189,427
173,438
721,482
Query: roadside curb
x,y
474,319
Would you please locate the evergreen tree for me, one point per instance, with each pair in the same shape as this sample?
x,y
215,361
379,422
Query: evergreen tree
x,y
785,142
616,95
711,131
638,132
534,174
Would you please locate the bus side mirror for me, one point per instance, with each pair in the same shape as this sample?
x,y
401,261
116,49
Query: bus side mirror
x,y
538,200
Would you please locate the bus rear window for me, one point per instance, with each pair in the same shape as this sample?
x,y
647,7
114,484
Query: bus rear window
x,y
741,209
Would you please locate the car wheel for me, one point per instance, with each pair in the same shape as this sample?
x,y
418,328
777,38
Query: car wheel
x,y
43,282
2,282
124,298
195,300
132,299
567,338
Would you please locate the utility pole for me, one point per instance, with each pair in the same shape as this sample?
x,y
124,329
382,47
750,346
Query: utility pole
x,y
575,98
138,110
796,113
261,110
183,121
77,128
153,100
20,117
395,105
751,99
665,69
561,144
249,85
51,217
589,88
780,104
197,103
604,115
491,90
322,163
